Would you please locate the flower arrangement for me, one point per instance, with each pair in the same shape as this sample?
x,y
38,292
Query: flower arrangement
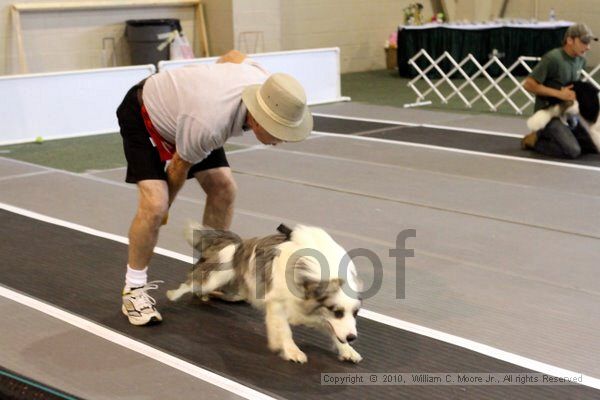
x,y
392,41
439,17
412,14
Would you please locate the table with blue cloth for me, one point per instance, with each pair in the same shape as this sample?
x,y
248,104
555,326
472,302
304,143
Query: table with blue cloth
x,y
508,41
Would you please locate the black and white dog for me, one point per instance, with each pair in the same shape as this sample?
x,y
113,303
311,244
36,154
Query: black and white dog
x,y
298,277
586,106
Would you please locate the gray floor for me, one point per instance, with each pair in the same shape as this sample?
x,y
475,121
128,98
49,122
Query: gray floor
x,y
506,250
498,123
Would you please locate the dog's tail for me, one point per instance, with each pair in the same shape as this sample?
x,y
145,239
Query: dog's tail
x,y
201,237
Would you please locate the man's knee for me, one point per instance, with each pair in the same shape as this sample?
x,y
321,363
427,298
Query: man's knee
x,y
221,185
564,137
572,152
154,203
153,210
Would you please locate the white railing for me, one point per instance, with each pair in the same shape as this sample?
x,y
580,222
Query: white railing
x,y
482,93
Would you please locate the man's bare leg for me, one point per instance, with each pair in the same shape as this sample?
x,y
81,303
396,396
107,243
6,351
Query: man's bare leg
x,y
143,233
138,306
220,189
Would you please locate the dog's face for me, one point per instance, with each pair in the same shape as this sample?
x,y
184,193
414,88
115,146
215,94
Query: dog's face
x,y
340,313
337,305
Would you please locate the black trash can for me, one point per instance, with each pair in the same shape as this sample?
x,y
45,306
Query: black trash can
x,y
142,36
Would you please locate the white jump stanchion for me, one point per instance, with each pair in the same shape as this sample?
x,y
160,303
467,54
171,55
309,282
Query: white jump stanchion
x,y
508,97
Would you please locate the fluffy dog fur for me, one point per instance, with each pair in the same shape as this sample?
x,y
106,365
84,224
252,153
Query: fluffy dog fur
x,y
586,106
561,110
285,276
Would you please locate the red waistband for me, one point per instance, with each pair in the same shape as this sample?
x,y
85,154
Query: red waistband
x,y
165,149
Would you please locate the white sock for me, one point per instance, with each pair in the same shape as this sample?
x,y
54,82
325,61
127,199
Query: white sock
x,y
135,278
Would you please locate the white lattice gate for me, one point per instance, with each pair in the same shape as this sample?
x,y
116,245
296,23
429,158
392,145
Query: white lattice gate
x,y
508,92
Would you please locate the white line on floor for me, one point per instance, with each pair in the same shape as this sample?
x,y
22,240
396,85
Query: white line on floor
x,y
233,386
9,177
134,345
412,124
471,130
460,151
480,348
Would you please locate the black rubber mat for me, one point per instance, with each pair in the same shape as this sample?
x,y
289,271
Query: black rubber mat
x,y
455,139
493,144
346,126
18,387
84,274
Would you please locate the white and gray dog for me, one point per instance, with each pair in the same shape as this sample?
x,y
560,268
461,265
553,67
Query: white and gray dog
x,y
586,106
299,276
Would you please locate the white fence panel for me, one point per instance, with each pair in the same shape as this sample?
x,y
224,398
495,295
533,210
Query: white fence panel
x,y
318,70
65,104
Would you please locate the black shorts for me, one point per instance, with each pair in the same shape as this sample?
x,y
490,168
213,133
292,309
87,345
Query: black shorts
x,y
143,160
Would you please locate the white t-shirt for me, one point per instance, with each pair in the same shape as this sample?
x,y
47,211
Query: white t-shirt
x,y
198,107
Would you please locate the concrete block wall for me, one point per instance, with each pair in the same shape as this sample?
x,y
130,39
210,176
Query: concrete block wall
x,y
72,40
359,27
586,11
257,25
58,41
219,25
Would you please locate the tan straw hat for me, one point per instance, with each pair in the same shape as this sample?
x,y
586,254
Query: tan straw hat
x,y
279,106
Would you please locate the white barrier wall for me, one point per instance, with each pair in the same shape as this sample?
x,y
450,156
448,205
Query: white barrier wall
x,y
79,103
318,70
67,104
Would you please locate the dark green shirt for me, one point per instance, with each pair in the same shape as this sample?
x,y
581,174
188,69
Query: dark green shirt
x,y
556,69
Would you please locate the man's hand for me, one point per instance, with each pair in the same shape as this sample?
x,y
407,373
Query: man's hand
x,y
567,93
232,56
177,171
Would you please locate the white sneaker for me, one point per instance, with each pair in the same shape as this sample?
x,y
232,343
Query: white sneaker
x,y
138,305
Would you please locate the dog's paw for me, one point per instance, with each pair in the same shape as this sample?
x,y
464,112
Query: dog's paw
x,y
349,354
172,295
175,294
293,353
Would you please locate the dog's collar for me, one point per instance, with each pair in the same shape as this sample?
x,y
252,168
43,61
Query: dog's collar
x,y
282,228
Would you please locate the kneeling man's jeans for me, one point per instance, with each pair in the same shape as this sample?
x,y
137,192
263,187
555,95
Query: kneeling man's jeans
x,y
564,141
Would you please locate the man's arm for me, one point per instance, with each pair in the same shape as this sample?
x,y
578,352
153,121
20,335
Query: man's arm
x,y
176,175
232,56
533,86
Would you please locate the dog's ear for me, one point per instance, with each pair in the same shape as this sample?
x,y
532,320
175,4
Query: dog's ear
x,y
321,290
